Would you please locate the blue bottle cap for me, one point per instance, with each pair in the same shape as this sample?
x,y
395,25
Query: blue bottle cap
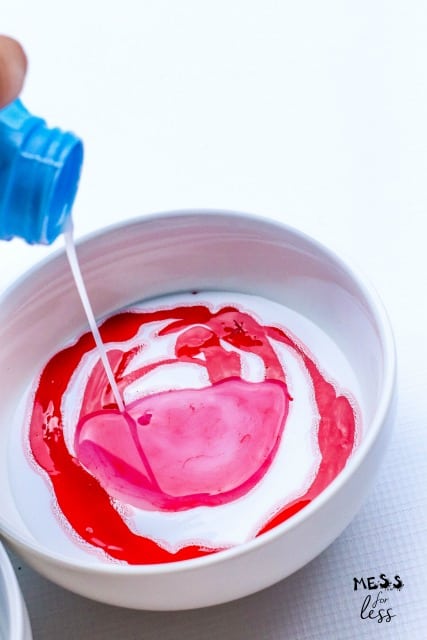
x,y
39,175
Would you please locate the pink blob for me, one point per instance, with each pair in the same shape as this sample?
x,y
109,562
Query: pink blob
x,y
186,448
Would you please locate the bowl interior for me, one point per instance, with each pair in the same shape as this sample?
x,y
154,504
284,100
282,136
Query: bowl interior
x,y
178,253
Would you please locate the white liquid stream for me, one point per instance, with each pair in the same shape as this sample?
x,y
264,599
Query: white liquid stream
x,y
70,249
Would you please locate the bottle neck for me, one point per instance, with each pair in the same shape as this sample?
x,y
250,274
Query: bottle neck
x,y
40,176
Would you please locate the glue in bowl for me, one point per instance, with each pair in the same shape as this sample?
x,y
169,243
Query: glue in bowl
x,y
160,255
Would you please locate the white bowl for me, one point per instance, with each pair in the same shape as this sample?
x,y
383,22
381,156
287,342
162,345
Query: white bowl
x,y
203,250
14,622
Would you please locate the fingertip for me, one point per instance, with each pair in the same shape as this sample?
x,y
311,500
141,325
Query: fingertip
x,y
13,67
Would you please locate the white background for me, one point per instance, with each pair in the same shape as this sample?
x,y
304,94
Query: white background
x,y
314,113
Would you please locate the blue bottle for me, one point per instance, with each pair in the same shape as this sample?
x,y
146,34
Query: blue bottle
x,y
39,175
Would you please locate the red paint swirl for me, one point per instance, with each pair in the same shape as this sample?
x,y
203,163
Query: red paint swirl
x,y
82,495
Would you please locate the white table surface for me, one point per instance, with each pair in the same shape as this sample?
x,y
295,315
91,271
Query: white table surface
x,y
314,113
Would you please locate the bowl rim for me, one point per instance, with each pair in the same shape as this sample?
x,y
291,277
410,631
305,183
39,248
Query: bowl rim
x,y
14,601
386,397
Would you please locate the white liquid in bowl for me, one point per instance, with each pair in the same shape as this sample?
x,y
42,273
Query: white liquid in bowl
x,y
221,520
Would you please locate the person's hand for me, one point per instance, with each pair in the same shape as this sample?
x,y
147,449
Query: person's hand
x,y
13,66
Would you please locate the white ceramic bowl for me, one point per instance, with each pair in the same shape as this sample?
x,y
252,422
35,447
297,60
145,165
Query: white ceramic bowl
x,y
182,251
14,622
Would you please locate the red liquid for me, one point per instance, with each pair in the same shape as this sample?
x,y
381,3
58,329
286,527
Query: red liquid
x,y
169,454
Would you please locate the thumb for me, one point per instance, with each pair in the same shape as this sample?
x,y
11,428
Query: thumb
x,y
13,66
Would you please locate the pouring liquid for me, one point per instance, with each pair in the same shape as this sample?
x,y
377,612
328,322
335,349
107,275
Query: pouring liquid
x,y
70,249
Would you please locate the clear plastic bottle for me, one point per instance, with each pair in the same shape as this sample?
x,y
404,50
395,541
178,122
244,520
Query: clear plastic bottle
x,y
39,175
